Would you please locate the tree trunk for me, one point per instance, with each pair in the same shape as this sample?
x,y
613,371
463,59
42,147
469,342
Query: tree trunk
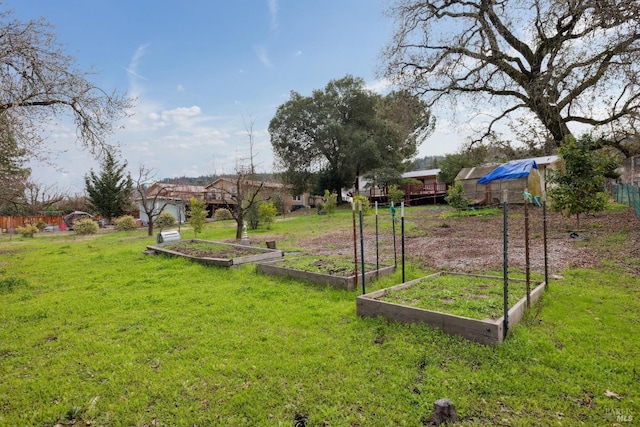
x,y
239,227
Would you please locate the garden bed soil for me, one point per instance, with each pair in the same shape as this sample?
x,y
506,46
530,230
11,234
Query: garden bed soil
x,y
215,253
324,271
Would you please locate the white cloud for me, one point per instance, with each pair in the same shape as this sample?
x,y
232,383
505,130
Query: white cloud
x,y
380,86
272,5
180,88
261,52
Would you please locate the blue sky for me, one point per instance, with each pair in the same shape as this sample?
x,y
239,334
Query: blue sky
x,y
203,70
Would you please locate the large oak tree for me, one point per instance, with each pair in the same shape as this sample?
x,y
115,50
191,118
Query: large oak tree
x,y
567,63
39,83
344,131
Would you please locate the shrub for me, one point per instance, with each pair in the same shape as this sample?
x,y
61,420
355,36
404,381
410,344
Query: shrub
x,y
267,211
222,214
395,194
28,230
165,220
278,203
197,214
126,223
364,202
455,197
252,216
329,202
85,226
41,225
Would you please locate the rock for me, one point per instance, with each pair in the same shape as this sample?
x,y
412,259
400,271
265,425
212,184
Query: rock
x,y
444,412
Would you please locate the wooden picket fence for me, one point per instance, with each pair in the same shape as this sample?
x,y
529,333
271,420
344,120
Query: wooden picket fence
x,y
9,223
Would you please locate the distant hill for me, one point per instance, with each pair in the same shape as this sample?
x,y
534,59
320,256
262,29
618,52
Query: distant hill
x,y
427,162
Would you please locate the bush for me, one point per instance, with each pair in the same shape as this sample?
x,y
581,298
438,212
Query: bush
x,y
28,230
85,226
197,214
126,223
395,194
455,197
267,211
165,220
222,214
41,225
364,202
329,203
252,216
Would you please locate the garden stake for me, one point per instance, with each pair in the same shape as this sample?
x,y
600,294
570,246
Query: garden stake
x,y
505,273
377,250
527,267
361,247
544,238
355,241
392,209
402,240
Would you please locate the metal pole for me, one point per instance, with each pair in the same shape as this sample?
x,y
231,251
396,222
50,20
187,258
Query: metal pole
x,y
505,262
544,238
402,240
377,246
393,227
527,267
361,248
355,241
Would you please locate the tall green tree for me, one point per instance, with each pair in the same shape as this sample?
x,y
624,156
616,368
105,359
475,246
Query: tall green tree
x,y
344,131
579,188
109,193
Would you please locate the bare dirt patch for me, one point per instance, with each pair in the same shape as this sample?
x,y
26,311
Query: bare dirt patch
x,y
475,244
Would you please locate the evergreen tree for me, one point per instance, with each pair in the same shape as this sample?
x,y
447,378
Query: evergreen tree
x,y
109,192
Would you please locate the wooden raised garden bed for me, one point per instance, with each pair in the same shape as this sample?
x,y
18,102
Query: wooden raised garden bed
x,y
407,303
215,253
323,271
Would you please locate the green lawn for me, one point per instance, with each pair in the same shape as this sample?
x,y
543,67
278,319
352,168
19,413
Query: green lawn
x,y
93,332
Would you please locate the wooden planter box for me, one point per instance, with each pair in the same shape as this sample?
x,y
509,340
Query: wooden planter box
x,y
262,255
483,331
345,282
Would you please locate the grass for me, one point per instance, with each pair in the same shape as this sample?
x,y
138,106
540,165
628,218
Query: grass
x,y
94,332
468,296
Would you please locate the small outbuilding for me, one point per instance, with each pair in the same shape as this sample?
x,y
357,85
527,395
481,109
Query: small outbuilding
x,y
512,176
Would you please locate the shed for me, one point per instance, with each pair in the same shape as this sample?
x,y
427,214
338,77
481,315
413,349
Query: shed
x,y
490,193
515,177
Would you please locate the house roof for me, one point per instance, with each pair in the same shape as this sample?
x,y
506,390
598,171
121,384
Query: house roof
x,y
474,173
545,160
421,173
174,189
254,183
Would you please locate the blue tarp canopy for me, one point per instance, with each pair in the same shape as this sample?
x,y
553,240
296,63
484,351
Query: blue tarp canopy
x,y
510,170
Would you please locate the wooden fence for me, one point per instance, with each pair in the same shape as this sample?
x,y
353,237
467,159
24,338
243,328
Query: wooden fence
x,y
9,223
